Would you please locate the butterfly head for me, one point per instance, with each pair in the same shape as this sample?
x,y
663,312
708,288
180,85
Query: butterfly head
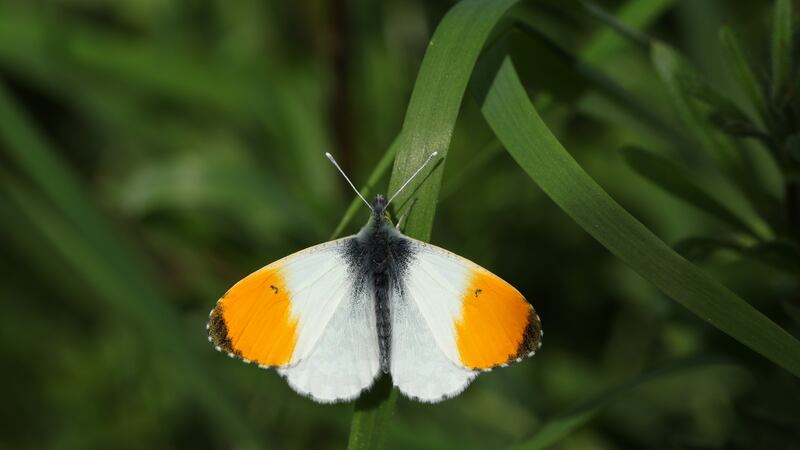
x,y
379,211
379,204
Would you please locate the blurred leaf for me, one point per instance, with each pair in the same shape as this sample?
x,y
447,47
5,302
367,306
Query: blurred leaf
x,y
735,181
428,127
743,73
513,118
783,254
632,16
674,179
725,114
218,183
793,310
699,248
466,173
569,77
155,319
75,60
781,50
40,44
674,71
68,223
52,50
565,424
793,147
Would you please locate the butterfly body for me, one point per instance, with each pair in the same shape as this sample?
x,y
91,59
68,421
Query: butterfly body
x,y
378,256
331,318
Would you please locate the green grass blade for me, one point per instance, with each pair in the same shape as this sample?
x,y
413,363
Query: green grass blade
x,y
560,427
678,181
743,73
781,49
428,126
631,17
371,416
435,102
516,123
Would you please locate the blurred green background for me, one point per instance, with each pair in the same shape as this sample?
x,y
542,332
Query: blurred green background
x,y
152,153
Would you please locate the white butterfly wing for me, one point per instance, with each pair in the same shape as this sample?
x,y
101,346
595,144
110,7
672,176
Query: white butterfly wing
x,y
452,318
302,315
419,367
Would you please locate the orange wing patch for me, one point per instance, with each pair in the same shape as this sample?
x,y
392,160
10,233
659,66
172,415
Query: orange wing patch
x,y
253,320
497,324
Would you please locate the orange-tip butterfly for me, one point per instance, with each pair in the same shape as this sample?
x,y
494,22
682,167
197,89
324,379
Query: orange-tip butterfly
x,y
333,317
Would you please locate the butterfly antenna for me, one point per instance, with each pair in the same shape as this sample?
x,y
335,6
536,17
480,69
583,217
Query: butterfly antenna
x,y
330,157
412,176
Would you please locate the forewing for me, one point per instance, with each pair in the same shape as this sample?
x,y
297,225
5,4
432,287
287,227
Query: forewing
x,y
304,315
477,320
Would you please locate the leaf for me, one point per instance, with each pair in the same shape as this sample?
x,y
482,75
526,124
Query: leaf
x,y
371,416
435,102
725,169
675,71
782,254
742,72
582,77
428,126
793,147
561,426
631,17
516,123
77,61
471,168
725,114
64,219
678,181
699,248
781,49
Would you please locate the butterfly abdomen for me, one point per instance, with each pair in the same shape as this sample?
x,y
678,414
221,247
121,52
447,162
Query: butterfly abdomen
x,y
383,320
377,257
380,262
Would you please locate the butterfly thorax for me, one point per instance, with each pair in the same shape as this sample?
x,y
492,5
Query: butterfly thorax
x,y
378,255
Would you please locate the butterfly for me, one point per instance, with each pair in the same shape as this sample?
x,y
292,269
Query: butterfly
x,y
332,318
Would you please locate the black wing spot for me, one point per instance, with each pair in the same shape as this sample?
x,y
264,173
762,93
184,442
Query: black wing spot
x,y
478,292
274,288
532,337
218,331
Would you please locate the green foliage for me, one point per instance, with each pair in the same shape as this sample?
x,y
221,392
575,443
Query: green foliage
x,y
560,427
539,153
677,181
151,154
